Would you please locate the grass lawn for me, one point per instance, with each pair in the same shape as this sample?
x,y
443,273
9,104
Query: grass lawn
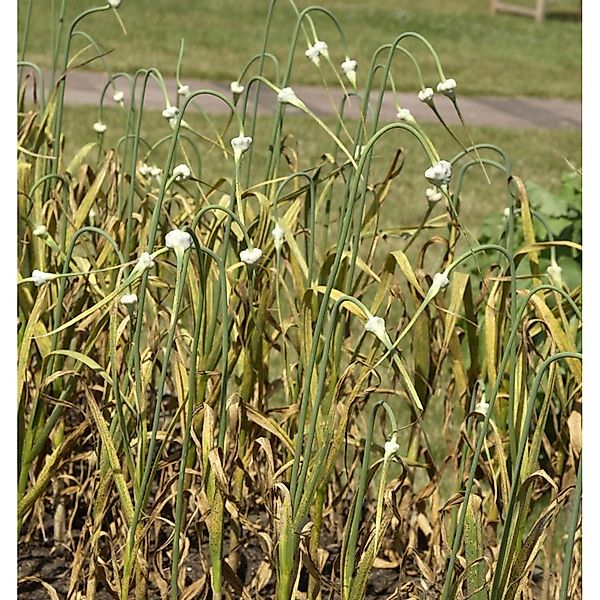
x,y
536,155
500,55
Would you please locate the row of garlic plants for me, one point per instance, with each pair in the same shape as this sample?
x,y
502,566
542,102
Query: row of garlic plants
x,y
245,366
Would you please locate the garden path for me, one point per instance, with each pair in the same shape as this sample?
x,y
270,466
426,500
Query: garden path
x,y
85,87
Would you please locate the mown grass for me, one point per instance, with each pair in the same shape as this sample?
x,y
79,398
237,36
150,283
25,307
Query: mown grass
x,y
537,155
500,55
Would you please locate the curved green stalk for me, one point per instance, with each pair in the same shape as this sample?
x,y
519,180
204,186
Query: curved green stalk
x,y
311,225
149,463
94,44
349,555
483,432
60,88
191,402
299,485
566,570
40,79
330,283
501,573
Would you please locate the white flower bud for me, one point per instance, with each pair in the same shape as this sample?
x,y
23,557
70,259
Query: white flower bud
x,y
390,448
376,325
181,171
358,152
40,231
41,277
236,87
322,48
118,96
114,3
183,90
240,144
440,173
349,68
144,170
433,195
405,115
250,255
313,55
99,127
128,299
482,407
426,95
447,87
555,273
440,281
144,262
506,212
277,234
178,240
155,171
288,96
170,112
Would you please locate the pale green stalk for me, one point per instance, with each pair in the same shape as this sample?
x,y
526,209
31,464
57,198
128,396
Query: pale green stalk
x,y
40,79
191,402
575,511
327,293
502,570
350,551
60,89
145,486
299,486
491,399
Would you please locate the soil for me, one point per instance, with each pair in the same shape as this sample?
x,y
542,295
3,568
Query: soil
x,y
43,561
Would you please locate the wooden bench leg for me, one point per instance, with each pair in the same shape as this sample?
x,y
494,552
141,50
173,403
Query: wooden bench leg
x,y
538,13
540,10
